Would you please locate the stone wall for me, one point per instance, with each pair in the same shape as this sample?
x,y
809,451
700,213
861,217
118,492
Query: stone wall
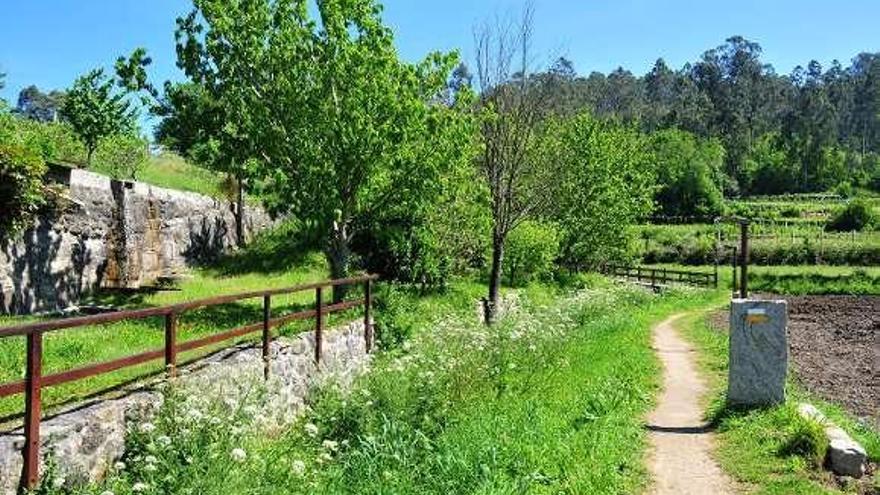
x,y
108,233
87,440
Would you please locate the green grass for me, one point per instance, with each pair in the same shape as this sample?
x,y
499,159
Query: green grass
x,y
550,400
68,349
800,280
173,172
767,449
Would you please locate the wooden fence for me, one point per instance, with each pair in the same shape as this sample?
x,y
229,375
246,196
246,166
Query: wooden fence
x,y
659,277
35,381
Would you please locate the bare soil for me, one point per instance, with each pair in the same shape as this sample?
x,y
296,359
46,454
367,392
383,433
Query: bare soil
x,y
834,344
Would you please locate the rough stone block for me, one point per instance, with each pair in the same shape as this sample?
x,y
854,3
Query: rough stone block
x,y
758,352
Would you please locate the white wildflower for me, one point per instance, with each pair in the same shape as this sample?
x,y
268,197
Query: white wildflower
x,y
147,427
151,459
330,445
299,467
119,466
139,487
311,429
107,492
163,440
238,455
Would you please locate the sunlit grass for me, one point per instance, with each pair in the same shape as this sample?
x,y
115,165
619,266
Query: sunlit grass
x,y
752,444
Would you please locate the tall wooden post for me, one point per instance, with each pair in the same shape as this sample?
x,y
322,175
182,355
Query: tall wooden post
x,y
319,324
30,475
744,266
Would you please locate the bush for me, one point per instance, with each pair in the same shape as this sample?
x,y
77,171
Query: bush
x,y
857,215
21,189
122,156
530,251
806,439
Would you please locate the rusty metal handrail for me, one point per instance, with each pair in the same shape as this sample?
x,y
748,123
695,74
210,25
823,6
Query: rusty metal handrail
x,y
35,381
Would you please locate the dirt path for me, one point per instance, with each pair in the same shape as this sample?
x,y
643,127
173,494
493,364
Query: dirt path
x,y
681,461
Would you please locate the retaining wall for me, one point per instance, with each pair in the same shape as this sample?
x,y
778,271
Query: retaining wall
x,y
112,234
86,441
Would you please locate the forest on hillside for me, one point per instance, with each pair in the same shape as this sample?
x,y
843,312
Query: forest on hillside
x,y
807,131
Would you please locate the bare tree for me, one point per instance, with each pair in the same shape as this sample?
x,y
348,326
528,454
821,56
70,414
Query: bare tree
x,y
512,108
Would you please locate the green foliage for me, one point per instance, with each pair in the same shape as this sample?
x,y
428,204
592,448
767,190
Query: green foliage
x,y
530,252
332,126
459,408
774,450
21,188
22,167
122,156
96,110
856,216
688,174
805,438
605,186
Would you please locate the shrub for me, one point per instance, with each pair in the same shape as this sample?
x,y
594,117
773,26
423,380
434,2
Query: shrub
x,y
805,438
121,156
21,189
857,215
530,251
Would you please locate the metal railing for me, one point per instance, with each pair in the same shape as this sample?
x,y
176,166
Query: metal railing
x,y
34,380
657,277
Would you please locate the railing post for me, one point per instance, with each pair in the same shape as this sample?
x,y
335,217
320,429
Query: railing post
x,y
653,277
319,324
744,267
171,344
368,325
30,476
267,313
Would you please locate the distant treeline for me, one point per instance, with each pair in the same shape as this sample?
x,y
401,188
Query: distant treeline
x,y
807,131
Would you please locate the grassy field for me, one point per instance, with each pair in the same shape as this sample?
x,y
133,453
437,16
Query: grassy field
x,y
772,450
173,172
800,280
535,404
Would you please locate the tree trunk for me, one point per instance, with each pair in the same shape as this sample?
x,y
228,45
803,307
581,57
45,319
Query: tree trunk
x,y
90,152
495,277
239,213
339,256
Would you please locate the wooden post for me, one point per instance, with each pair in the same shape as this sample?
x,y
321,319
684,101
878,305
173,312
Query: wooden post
x,y
171,344
267,337
744,267
368,324
30,475
733,262
319,324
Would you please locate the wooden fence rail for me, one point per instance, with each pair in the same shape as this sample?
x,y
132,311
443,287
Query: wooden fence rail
x,y
657,277
35,381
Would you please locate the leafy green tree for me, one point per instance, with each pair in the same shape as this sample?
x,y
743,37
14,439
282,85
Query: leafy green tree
x,y
531,251
334,126
688,174
36,105
606,186
122,156
96,110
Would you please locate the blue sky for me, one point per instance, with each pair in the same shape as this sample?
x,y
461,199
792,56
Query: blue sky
x,y
50,42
